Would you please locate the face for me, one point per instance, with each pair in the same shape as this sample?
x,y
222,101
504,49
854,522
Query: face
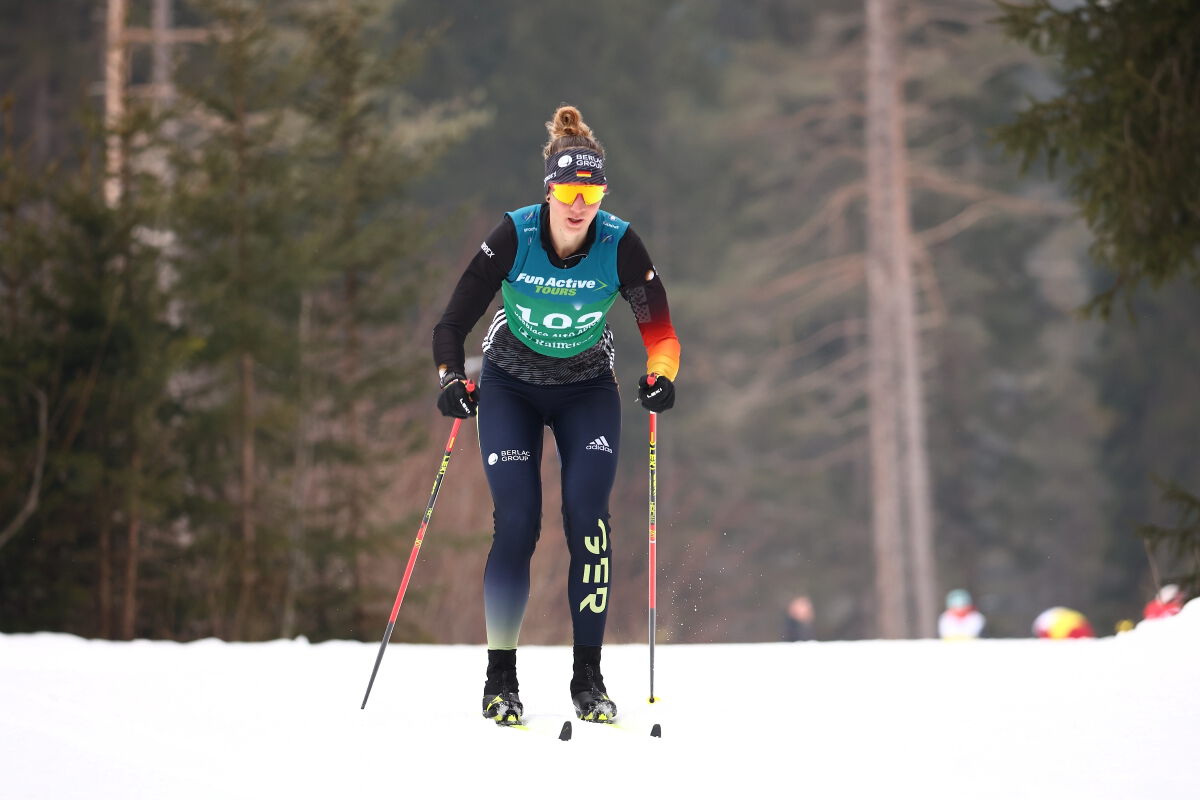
x,y
571,219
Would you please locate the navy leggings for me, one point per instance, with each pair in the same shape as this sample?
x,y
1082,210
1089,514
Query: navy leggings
x,y
586,420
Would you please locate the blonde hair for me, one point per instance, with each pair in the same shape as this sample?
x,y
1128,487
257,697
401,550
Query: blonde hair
x,y
567,129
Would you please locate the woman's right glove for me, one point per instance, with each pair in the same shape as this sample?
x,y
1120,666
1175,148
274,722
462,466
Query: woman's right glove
x,y
459,397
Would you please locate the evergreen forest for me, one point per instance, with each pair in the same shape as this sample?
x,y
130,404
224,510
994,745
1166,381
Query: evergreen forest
x,y
217,397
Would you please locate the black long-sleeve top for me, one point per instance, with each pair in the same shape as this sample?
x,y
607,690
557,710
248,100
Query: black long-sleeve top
x,y
640,285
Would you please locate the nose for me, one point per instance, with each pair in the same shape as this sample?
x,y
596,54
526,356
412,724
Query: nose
x,y
577,204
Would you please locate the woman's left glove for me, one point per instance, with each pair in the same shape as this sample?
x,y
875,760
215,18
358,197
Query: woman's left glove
x,y
459,397
656,393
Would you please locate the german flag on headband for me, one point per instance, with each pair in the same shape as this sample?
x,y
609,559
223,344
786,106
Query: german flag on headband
x,y
575,165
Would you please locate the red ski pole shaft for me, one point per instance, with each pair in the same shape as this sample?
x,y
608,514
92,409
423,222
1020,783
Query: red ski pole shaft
x,y
412,558
653,548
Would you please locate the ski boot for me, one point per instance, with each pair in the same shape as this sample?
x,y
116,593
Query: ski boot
x,y
500,700
590,697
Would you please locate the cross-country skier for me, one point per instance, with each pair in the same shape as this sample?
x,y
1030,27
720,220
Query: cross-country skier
x,y
1062,623
960,620
1167,603
548,361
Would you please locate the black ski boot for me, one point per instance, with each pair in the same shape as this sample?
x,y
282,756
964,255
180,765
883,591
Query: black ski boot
x,y
591,699
500,700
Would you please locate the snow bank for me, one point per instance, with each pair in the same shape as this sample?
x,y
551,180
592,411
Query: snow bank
x,y
1100,719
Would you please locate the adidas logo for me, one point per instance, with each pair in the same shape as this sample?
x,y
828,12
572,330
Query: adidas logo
x,y
599,444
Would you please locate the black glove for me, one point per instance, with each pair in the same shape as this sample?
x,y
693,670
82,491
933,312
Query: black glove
x,y
656,397
459,397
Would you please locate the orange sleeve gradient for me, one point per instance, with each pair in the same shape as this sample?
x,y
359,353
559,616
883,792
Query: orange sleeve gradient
x,y
662,347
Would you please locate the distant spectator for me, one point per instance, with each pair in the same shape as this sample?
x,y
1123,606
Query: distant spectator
x,y
1167,603
798,625
960,620
1124,626
1062,623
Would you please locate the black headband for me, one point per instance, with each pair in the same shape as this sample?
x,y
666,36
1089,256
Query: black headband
x,y
575,165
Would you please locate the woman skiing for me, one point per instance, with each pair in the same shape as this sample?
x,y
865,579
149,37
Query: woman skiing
x,y
548,361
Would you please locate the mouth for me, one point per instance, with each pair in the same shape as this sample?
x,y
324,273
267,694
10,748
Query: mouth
x,y
575,220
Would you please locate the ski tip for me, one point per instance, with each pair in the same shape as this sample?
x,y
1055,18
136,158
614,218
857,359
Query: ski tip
x,y
656,731
565,734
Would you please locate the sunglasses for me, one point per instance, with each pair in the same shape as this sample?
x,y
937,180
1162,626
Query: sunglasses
x,y
566,192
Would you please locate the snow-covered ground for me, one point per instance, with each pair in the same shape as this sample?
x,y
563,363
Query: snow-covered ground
x,y
1116,718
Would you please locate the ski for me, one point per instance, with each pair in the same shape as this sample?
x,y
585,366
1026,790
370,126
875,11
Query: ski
x,y
567,731
655,729
564,733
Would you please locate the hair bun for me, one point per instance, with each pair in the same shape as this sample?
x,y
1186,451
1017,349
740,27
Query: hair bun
x,y
567,129
568,122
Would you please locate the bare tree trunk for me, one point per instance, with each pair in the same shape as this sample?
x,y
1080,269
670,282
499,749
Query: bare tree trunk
x,y
34,495
349,135
114,97
890,586
41,113
104,582
301,482
163,39
357,522
247,569
918,504
916,463
161,20
132,548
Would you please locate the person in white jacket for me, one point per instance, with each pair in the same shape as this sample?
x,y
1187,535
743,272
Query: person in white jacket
x,y
960,620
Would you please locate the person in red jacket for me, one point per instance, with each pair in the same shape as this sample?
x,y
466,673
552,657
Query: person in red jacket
x,y
1167,603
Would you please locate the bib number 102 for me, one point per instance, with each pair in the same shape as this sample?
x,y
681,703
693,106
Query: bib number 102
x,y
558,321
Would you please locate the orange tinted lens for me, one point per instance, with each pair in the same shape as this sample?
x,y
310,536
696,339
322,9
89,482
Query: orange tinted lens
x,y
567,192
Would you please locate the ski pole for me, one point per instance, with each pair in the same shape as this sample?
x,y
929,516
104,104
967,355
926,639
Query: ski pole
x,y
653,548
412,558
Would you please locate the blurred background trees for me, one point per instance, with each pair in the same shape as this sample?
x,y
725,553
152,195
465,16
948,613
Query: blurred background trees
x,y
1122,129
217,398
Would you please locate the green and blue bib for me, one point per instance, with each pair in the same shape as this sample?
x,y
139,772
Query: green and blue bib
x,y
554,311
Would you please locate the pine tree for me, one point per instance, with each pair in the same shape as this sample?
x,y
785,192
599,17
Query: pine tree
x,y
235,225
1179,543
365,275
1124,125
24,252
86,338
